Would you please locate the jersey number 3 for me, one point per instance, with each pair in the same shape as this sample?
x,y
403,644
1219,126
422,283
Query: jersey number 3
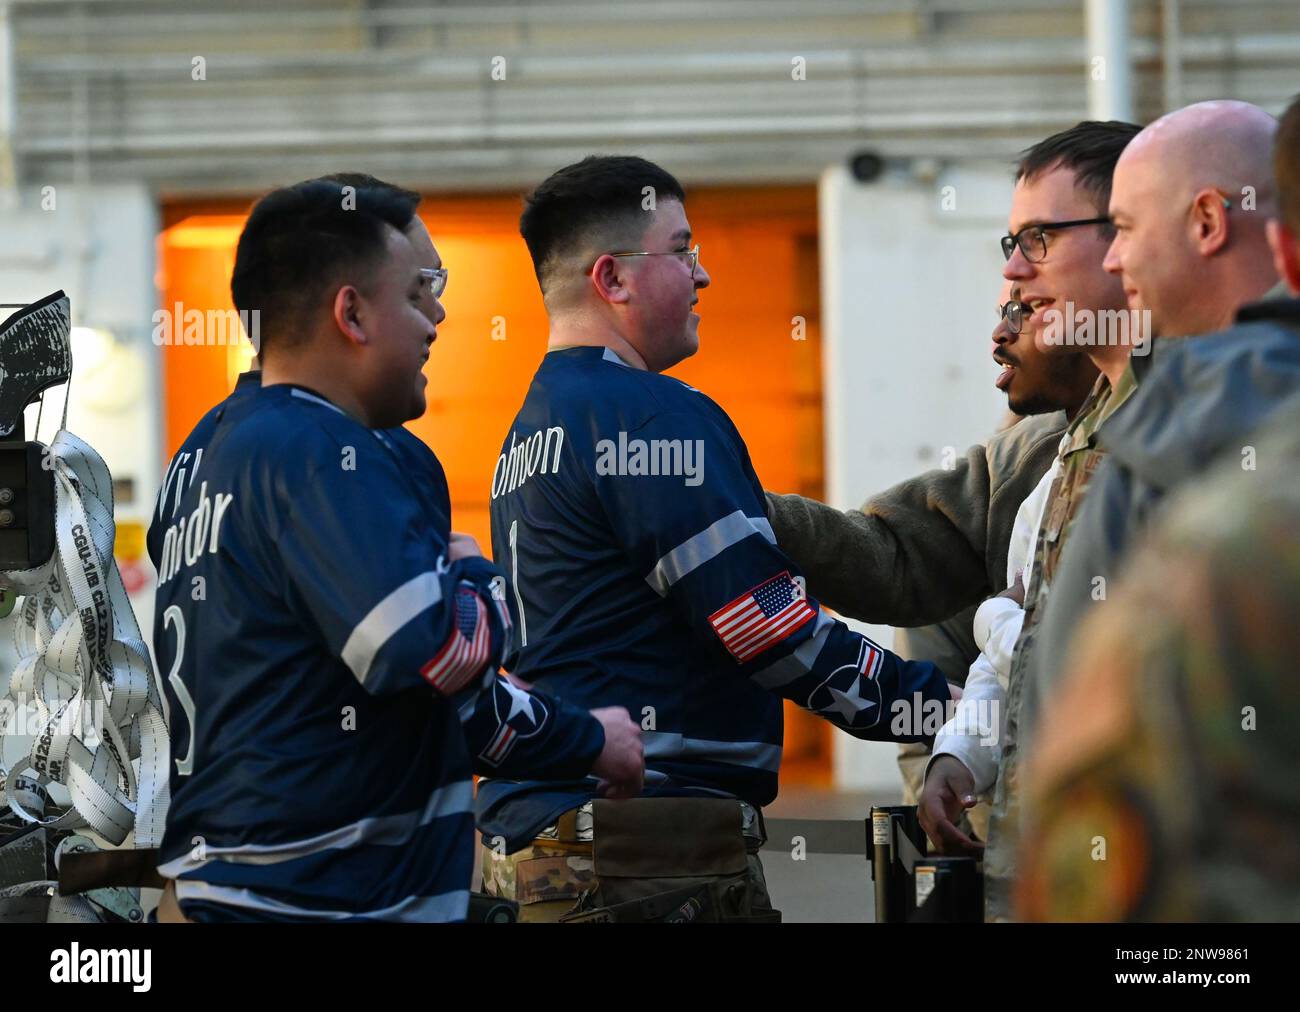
x,y
184,767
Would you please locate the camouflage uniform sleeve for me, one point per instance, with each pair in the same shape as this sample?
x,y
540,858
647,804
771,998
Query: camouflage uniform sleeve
x,y
1161,784
1095,546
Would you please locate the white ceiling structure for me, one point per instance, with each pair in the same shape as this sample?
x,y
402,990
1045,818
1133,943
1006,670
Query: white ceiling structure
x,y
495,93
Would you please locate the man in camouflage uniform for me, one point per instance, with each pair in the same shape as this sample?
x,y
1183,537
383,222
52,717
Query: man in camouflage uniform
x,y
942,538
1057,238
1162,785
927,548
1080,456
1198,149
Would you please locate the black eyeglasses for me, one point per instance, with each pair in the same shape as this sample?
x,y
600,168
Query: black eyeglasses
x,y
1032,239
1015,313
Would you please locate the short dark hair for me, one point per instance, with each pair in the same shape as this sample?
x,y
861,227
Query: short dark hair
x,y
1286,166
602,197
300,240
1089,149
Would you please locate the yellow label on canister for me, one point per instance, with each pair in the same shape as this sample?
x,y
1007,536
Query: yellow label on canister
x,y
924,882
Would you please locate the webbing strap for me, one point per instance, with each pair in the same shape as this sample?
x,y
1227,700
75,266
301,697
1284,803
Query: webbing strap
x,y
85,670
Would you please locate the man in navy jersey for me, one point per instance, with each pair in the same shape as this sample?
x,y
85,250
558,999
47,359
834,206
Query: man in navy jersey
x,y
329,646
644,571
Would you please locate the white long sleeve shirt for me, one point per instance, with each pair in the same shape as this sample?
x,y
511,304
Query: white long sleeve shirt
x,y
974,734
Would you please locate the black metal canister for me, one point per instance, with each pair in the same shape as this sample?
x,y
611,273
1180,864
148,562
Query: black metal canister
x,y
948,890
895,842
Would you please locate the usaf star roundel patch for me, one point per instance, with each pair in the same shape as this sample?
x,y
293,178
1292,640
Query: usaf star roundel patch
x,y
849,696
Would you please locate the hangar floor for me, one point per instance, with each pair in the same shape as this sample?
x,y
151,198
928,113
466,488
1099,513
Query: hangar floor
x,y
822,886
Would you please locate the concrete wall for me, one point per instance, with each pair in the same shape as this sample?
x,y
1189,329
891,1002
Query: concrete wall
x,y
910,275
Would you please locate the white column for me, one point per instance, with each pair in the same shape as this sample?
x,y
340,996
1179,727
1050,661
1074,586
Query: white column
x,y
8,111
1109,67
910,278
1171,50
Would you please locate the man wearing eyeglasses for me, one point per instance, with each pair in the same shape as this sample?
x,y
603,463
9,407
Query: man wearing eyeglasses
x,y
1191,274
645,575
944,535
332,650
1048,388
1059,231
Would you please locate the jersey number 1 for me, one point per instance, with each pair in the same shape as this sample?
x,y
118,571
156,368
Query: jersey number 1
x,y
514,581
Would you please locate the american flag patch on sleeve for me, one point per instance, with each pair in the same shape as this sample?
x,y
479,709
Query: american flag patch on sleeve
x,y
466,650
761,617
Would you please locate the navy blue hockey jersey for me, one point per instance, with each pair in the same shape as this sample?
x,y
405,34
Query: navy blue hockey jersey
x,y
645,574
330,676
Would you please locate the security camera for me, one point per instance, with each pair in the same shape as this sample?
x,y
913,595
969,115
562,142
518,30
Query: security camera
x,y
866,166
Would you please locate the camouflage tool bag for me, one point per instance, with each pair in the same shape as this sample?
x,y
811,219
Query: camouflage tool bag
x,y
649,860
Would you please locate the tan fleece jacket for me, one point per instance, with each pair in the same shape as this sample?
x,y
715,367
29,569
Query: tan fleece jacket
x,y
928,547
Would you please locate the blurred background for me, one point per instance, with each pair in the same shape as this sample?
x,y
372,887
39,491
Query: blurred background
x,y
848,162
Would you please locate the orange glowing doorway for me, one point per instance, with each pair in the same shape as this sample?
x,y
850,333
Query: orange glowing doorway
x,y
760,347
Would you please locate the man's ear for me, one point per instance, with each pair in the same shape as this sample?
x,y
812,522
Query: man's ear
x,y
347,314
1210,222
1285,245
609,280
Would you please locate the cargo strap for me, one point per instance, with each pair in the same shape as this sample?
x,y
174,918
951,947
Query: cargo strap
x,y
85,671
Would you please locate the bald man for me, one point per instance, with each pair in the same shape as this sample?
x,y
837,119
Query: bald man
x,y
1190,201
1196,207
1186,253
